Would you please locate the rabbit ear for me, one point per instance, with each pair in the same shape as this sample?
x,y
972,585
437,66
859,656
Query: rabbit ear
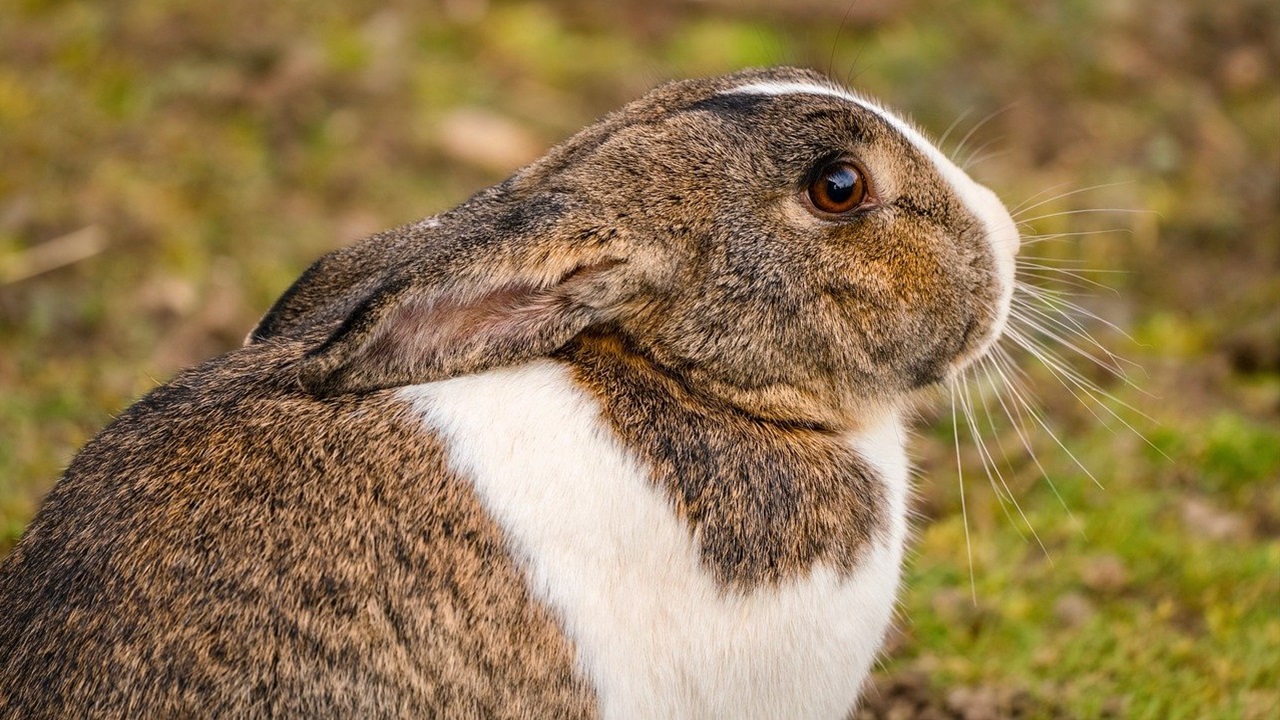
x,y
406,332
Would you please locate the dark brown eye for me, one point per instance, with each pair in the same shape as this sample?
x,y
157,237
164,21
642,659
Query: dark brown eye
x,y
838,188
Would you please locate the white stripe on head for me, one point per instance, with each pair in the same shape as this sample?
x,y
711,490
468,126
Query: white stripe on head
x,y
983,204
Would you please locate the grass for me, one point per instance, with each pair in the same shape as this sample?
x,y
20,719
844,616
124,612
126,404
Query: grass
x,y
168,168
1153,595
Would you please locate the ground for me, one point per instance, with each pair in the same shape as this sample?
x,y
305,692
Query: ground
x,y
169,167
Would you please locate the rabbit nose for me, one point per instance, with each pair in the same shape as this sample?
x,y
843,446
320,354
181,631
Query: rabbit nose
x,y
1001,228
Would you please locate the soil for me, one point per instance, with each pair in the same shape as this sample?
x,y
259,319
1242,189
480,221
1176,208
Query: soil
x,y
912,695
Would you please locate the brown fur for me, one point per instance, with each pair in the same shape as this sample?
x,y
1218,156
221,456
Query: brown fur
x,y
271,533
767,500
232,547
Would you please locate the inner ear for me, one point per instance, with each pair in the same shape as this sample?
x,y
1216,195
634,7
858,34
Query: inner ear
x,y
407,335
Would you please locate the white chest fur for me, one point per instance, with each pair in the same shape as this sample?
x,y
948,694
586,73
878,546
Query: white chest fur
x,y
601,545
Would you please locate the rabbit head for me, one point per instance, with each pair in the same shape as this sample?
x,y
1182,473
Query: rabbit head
x,y
779,244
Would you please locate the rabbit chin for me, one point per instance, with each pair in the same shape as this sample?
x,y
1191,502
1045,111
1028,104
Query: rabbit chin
x,y
603,547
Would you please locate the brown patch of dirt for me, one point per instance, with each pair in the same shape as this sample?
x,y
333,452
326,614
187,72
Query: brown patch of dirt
x,y
912,695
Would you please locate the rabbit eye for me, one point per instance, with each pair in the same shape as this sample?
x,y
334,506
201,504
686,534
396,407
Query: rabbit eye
x,y
838,188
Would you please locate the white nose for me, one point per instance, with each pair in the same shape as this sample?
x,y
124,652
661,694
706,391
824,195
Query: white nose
x,y
1001,228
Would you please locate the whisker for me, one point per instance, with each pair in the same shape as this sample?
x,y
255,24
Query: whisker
x,y
1059,377
1031,412
968,161
985,457
974,162
987,365
1071,280
947,133
965,403
1084,211
990,116
1023,207
1051,297
1001,356
831,57
1073,263
1059,262
1073,326
1029,238
1065,373
1023,314
1079,273
1051,357
1055,361
1021,311
964,510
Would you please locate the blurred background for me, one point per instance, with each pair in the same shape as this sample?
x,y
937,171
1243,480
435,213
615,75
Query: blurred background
x,y
167,168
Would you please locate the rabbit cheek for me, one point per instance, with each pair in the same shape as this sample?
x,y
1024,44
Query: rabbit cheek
x,y
902,315
948,298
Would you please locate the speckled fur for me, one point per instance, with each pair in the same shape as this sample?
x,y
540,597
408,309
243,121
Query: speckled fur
x,y
768,500
279,532
231,546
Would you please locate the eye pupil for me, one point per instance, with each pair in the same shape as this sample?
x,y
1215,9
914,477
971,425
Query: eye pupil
x,y
838,188
840,185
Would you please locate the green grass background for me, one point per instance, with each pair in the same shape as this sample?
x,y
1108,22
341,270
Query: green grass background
x,y
167,168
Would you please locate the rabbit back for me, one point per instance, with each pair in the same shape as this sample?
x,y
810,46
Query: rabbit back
x,y
231,546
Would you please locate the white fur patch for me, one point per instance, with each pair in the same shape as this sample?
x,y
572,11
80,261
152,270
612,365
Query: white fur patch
x,y
983,204
602,546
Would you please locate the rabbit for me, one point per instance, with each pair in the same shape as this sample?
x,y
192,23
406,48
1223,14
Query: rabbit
x,y
619,437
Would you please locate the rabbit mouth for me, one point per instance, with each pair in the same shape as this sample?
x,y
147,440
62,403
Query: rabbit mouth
x,y
983,330
976,342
